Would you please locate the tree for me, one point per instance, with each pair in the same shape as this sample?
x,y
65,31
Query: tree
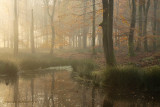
x,y
146,10
132,29
32,33
107,27
15,29
155,24
51,16
94,28
140,25
84,27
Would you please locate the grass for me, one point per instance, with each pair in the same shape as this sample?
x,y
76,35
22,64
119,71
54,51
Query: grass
x,y
34,61
8,68
152,78
40,61
84,72
44,62
8,72
133,79
121,78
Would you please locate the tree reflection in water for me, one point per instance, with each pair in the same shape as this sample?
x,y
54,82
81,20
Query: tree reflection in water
x,y
58,89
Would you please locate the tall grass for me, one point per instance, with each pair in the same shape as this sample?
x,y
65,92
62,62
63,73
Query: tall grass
x,y
152,78
8,68
133,78
84,72
8,72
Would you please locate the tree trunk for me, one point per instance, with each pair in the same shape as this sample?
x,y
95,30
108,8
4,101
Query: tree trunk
x,y
107,26
32,34
79,40
94,27
99,39
15,29
132,28
140,25
53,37
145,25
155,24
84,26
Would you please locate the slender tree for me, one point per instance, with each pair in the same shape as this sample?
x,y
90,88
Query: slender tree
x,y
32,33
84,27
15,29
146,10
94,28
140,25
132,29
155,24
51,16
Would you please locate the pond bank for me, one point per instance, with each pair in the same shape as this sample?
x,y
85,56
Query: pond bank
x,y
87,71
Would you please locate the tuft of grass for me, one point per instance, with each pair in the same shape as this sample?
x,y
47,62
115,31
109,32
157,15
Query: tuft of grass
x,y
32,63
84,71
83,68
8,68
152,78
8,72
133,78
123,77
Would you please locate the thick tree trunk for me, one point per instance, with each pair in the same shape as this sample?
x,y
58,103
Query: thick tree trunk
x,y
99,39
132,29
107,26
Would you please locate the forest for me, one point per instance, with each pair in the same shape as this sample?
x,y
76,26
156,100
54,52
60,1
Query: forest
x,y
79,53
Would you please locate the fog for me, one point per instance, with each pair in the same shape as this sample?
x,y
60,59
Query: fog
x,y
79,53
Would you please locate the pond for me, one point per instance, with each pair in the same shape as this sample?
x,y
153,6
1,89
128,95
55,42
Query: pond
x,y
45,89
56,88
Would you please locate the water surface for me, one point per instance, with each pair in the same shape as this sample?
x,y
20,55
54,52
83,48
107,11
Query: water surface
x,y
56,88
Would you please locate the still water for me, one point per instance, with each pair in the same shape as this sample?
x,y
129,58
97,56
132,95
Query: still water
x,y
45,89
56,88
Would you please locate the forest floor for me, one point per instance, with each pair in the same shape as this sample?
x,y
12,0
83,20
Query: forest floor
x,y
141,59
